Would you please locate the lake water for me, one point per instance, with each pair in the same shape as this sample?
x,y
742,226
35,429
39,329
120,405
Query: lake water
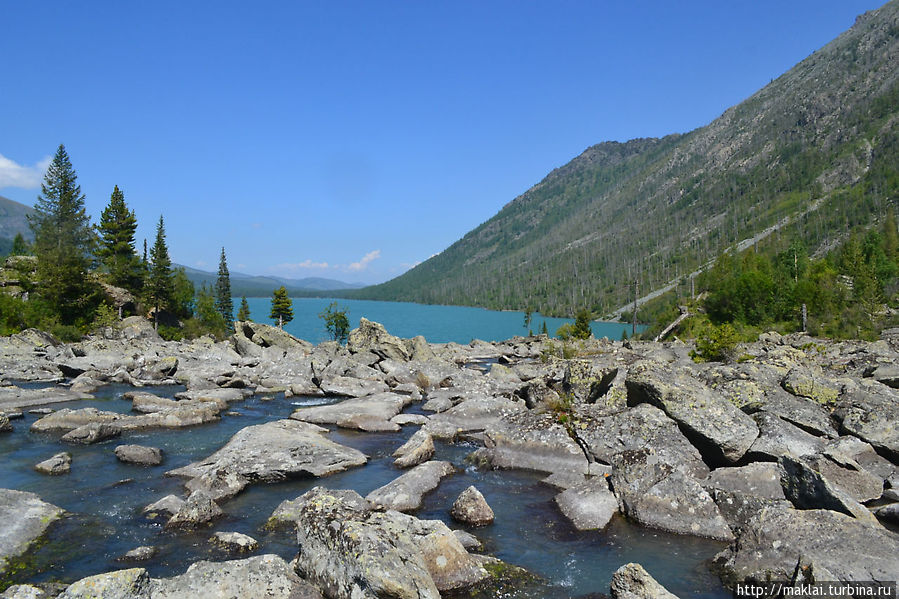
x,y
104,498
438,324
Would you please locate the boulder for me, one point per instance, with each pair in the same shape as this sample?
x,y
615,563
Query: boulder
x,y
890,513
199,509
419,448
344,386
655,494
139,454
405,492
373,337
94,432
138,554
589,505
778,438
871,413
643,426
720,431
167,506
808,489
263,335
61,463
887,374
349,550
802,412
805,382
471,415
632,581
366,413
24,591
234,542
271,452
529,440
777,541
5,425
759,479
471,508
133,583
25,518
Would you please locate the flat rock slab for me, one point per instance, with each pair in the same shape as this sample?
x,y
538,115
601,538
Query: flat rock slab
x,y
270,452
872,415
472,415
370,413
533,441
406,492
808,488
780,438
834,545
719,429
589,505
759,479
14,398
25,517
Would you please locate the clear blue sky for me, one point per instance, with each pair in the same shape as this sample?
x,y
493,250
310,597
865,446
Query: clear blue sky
x,y
353,139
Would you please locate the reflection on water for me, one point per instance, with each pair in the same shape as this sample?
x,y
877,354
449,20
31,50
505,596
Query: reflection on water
x,y
106,497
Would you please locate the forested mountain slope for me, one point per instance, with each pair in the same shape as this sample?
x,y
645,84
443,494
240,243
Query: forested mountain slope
x,y
13,219
818,148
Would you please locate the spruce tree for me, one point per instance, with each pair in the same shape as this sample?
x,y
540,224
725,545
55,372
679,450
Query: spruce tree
x,y
117,227
243,313
160,285
20,247
281,307
223,301
63,243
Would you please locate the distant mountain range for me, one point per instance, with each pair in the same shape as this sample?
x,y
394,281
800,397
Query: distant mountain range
x,y
810,156
259,286
13,219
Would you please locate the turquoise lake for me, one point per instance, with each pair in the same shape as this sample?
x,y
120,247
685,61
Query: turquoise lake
x,y
438,324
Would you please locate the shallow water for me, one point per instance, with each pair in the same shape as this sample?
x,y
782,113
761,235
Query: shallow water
x,y
106,516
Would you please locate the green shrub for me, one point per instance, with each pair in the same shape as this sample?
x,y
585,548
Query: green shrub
x,y
717,343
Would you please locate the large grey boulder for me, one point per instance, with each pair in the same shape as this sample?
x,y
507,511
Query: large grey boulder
x,y
266,576
472,415
834,546
588,505
533,441
25,517
471,508
270,452
405,492
133,583
759,479
248,334
373,337
198,510
719,429
139,454
234,542
350,550
61,463
643,426
808,488
167,506
371,413
798,411
419,448
872,414
632,581
5,425
779,438
346,386
91,433
655,494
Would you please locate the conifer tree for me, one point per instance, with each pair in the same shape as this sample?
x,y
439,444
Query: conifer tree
x,y
281,307
243,313
160,285
63,243
20,247
223,302
117,227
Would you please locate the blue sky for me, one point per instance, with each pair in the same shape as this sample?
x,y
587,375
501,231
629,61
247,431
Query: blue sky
x,y
351,140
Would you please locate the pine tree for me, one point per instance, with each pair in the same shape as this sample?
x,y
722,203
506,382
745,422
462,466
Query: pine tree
x,y
117,227
63,243
281,307
223,302
160,285
243,313
20,247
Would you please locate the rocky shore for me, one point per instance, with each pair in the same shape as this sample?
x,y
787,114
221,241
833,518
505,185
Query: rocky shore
x,y
789,455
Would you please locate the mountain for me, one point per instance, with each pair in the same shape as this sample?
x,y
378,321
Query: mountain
x,y
13,219
258,286
812,154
